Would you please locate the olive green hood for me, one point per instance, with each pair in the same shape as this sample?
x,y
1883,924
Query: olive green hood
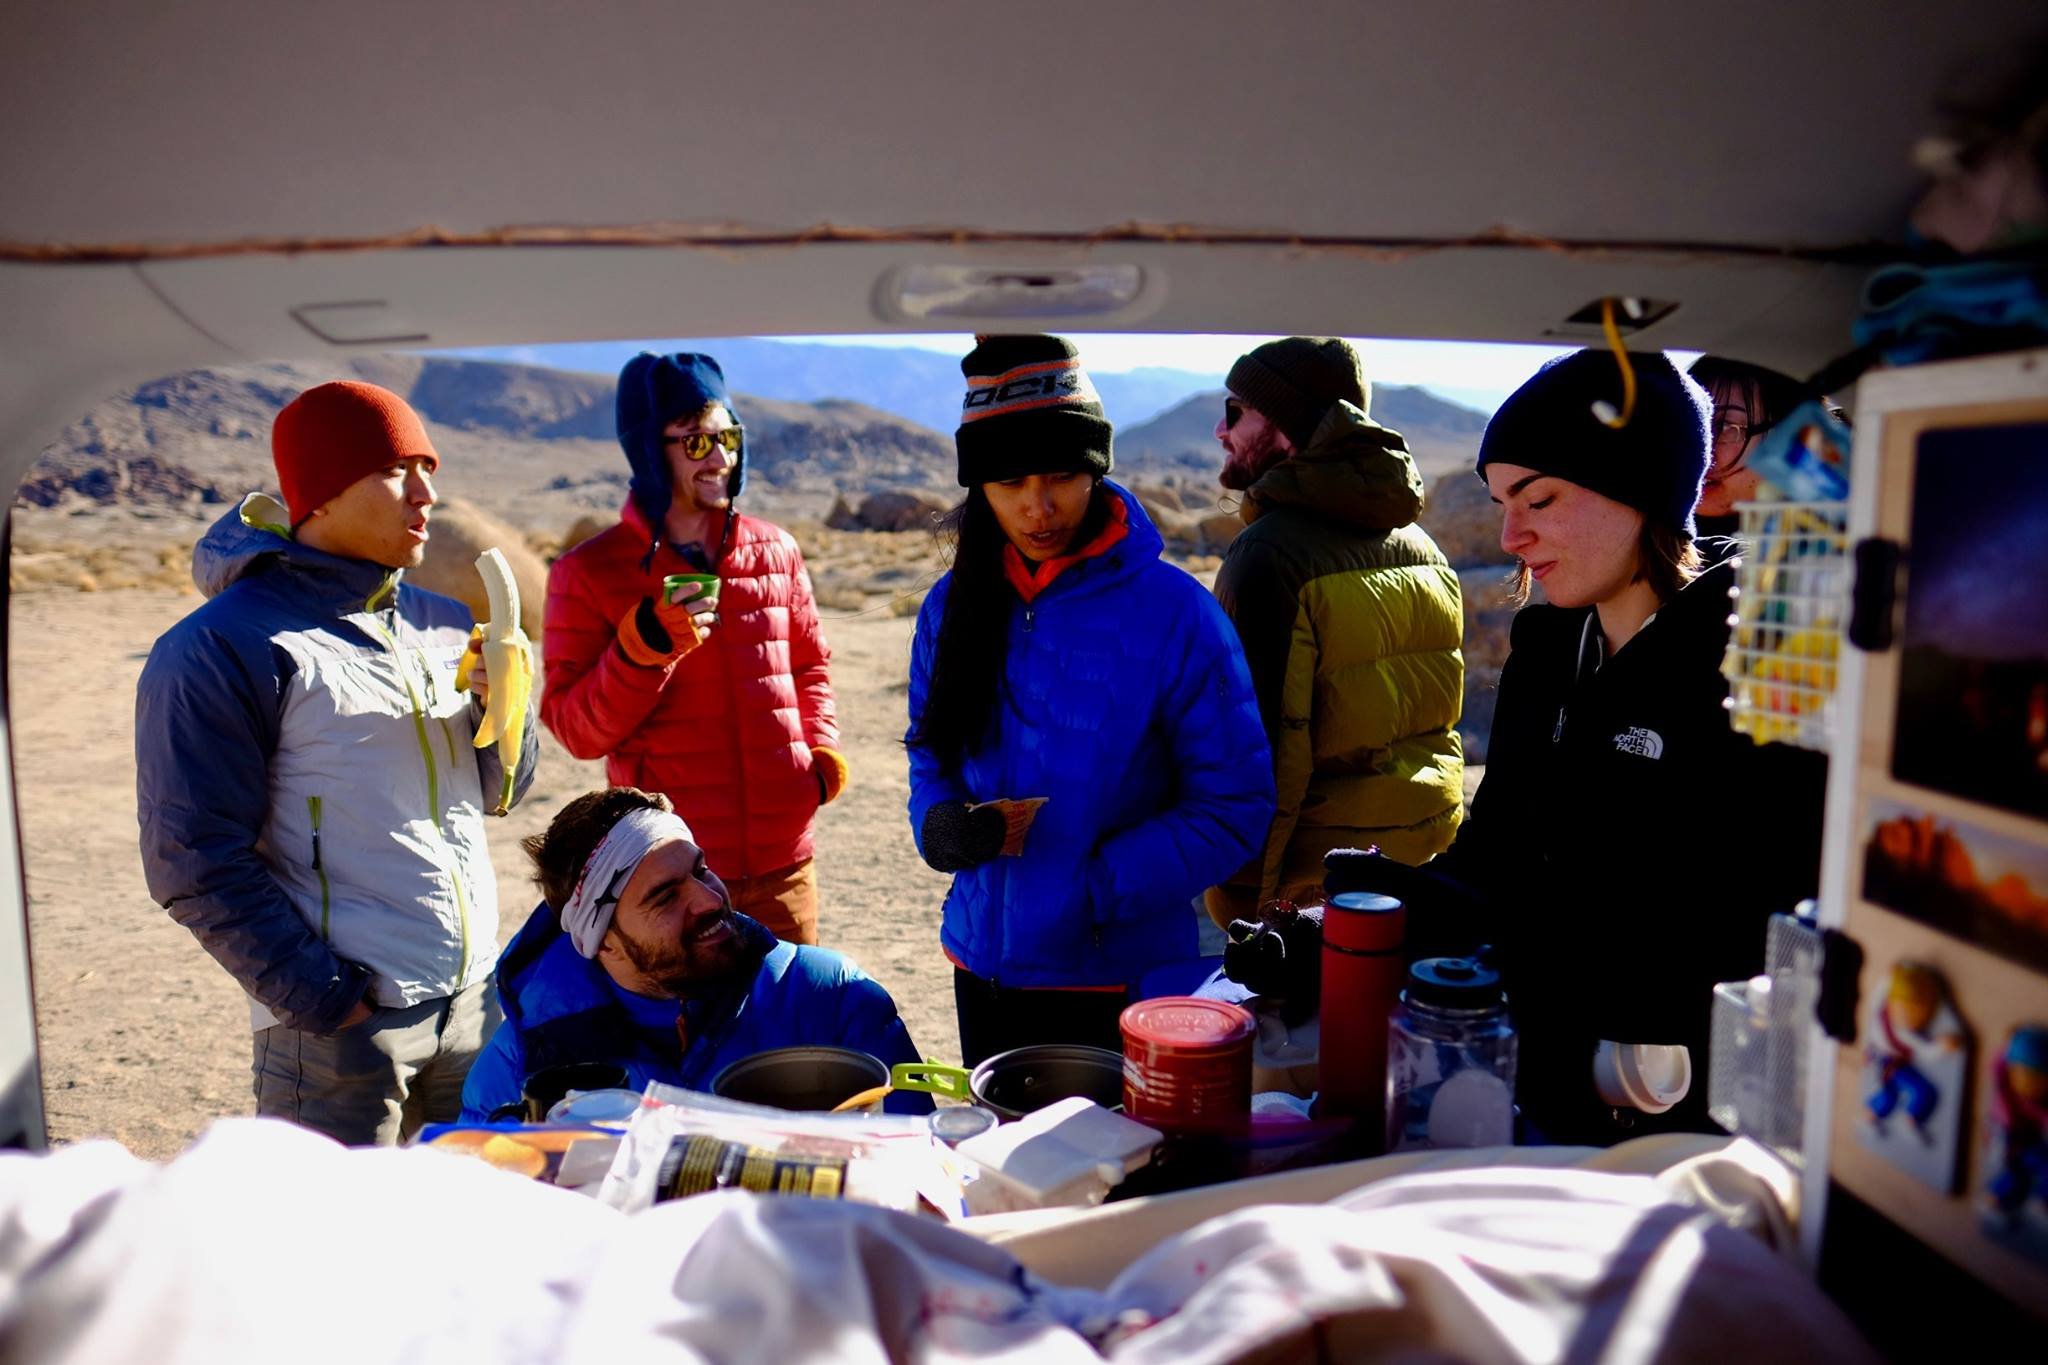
x,y
1354,472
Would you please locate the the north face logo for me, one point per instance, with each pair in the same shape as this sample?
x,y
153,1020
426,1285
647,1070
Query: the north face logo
x,y
1640,742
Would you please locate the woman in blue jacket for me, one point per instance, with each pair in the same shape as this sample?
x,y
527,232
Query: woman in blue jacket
x,y
1061,661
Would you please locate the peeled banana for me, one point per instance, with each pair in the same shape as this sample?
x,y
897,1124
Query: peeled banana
x,y
508,656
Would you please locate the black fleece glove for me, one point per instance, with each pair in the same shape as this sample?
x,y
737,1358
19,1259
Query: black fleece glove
x,y
955,838
1281,957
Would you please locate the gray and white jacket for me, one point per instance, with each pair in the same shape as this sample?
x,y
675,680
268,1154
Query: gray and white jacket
x,y
310,797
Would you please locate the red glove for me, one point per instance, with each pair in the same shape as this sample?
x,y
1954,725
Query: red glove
x,y
655,634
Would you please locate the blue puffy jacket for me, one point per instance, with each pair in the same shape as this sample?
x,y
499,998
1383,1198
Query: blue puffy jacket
x,y
1128,705
310,797
562,1007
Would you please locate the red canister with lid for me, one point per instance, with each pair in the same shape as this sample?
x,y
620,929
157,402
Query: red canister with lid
x,y
1188,1064
1363,969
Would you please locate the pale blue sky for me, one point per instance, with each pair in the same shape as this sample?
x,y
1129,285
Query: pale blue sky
x,y
1478,373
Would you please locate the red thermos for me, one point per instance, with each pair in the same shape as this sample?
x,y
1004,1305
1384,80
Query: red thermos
x,y
1363,969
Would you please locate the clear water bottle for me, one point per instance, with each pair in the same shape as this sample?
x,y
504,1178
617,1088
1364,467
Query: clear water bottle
x,y
1450,1059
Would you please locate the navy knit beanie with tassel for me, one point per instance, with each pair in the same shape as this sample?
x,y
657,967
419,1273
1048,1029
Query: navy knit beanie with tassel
x,y
1654,463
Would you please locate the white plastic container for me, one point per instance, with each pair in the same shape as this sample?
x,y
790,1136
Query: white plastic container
x,y
1650,1077
1072,1152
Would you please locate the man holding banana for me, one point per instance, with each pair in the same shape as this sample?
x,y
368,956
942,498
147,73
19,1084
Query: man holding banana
x,y
309,785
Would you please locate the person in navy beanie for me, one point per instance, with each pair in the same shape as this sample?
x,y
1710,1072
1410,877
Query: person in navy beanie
x,y
1562,421
1600,861
1085,749
715,693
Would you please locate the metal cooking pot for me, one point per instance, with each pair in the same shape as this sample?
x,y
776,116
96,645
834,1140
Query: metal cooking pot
x,y
1024,1079
801,1078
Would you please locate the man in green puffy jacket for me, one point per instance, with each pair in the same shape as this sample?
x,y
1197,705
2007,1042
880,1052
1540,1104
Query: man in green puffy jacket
x,y
1350,618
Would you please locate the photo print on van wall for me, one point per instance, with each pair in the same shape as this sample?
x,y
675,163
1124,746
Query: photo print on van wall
x,y
1979,887
1916,1054
1973,672
2015,1195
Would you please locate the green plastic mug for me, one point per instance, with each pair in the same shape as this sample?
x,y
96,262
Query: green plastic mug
x,y
676,582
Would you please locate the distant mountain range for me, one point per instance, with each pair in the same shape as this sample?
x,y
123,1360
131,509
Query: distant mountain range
x,y
533,446
1441,435
202,435
924,386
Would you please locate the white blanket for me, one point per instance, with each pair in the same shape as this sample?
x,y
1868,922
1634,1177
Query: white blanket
x,y
264,1242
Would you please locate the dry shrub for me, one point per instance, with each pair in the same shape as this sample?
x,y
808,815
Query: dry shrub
x,y
811,537
895,578
836,594
907,605
100,567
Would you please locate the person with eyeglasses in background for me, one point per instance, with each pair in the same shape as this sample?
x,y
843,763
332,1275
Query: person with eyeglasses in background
x,y
1351,620
1748,401
714,692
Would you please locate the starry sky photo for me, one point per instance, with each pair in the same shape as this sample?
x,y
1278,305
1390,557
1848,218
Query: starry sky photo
x,y
1977,562
1972,716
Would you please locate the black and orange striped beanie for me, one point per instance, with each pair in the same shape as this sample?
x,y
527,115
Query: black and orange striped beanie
x,y
1029,409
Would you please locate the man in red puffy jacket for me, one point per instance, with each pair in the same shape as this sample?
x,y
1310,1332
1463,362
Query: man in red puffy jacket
x,y
716,698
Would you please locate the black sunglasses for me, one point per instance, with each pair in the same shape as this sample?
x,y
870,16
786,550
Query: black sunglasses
x,y
1232,410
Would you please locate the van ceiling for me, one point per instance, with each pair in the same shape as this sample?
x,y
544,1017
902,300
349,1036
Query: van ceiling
x,y
1726,152
1768,123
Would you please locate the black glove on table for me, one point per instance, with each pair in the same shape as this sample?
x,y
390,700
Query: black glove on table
x,y
1280,957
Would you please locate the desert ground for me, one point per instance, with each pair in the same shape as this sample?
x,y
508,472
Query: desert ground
x,y
146,1040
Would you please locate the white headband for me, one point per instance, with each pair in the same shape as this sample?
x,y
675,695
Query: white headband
x,y
609,867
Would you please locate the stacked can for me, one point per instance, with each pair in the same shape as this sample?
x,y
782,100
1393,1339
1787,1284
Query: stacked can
x,y
1188,1064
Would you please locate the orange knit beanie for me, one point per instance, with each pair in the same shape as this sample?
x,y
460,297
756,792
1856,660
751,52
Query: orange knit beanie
x,y
333,434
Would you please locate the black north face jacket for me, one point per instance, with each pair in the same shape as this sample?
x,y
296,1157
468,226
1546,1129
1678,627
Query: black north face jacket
x,y
1624,849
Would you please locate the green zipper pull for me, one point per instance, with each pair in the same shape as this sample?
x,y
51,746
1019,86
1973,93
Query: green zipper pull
x,y
326,896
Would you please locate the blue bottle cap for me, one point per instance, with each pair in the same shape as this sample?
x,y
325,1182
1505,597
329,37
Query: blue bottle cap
x,y
1454,983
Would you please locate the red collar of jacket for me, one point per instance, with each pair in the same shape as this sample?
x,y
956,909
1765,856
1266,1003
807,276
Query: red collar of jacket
x,y
1030,580
642,527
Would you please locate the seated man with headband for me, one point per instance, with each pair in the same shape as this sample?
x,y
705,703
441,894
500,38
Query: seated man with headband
x,y
648,966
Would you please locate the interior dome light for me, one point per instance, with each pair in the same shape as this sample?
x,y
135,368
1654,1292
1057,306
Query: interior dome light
x,y
929,293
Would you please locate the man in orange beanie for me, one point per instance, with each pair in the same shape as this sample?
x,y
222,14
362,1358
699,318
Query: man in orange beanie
x,y
310,794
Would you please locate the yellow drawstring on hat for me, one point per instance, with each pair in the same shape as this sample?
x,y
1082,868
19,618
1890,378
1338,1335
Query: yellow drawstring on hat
x,y
1603,409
